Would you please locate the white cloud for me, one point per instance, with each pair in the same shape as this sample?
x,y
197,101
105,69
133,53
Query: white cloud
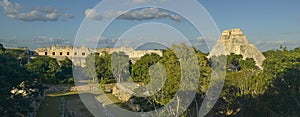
x,y
100,41
36,15
11,41
147,1
139,14
36,42
97,39
148,14
67,16
92,14
275,44
201,38
141,1
47,41
112,14
16,11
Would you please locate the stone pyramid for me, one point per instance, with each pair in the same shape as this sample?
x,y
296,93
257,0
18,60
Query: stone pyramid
x,y
234,41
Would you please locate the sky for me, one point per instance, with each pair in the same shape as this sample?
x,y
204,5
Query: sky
x,y
35,23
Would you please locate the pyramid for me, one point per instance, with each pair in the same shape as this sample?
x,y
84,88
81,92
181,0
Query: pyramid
x,y
234,41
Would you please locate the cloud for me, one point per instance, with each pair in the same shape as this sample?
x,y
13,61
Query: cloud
x,y
16,11
149,14
140,1
100,41
270,42
96,39
275,44
109,14
201,38
11,41
288,33
67,16
200,43
36,42
147,1
92,14
43,41
138,15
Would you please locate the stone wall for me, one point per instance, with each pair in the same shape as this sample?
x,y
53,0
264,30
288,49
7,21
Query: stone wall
x,y
124,91
78,54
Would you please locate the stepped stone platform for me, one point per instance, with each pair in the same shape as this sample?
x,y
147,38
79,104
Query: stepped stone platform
x,y
234,41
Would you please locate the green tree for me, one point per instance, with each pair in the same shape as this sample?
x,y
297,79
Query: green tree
x,y
65,75
248,63
89,68
282,71
2,49
99,67
140,70
44,68
13,78
104,69
120,66
233,62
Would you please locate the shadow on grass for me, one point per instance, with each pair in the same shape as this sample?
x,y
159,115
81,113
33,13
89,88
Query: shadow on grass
x,y
50,107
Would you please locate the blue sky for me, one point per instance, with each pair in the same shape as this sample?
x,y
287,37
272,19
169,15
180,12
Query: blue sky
x,y
267,23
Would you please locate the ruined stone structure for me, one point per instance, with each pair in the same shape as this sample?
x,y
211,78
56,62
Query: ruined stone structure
x,y
124,91
234,41
78,54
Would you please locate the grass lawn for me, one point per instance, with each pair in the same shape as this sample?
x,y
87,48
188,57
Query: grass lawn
x,y
57,94
75,105
113,99
50,106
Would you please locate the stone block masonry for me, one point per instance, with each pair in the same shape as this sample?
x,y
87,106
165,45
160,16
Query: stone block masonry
x,y
234,41
78,54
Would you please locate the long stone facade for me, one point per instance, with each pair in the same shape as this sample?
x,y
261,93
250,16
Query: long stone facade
x,y
78,54
234,41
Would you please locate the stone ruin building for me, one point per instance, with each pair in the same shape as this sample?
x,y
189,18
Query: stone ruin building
x,y
236,42
78,54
